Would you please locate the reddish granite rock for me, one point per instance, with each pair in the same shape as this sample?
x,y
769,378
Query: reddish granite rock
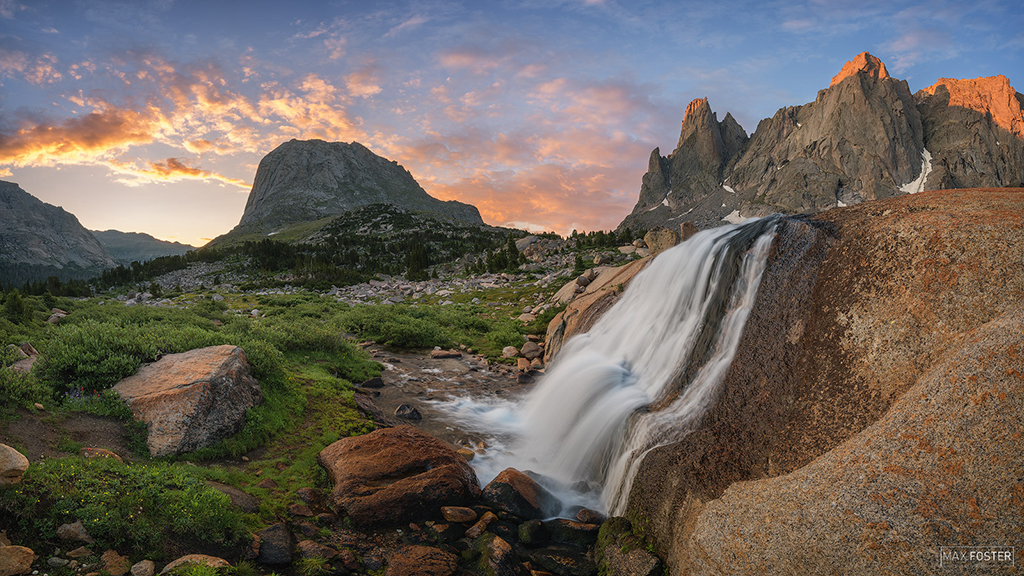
x,y
395,475
421,561
518,494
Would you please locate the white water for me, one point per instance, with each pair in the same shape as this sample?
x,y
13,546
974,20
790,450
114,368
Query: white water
x,y
624,388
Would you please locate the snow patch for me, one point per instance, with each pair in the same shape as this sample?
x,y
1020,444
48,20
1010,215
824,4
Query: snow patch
x,y
733,217
840,204
665,201
917,185
728,189
799,125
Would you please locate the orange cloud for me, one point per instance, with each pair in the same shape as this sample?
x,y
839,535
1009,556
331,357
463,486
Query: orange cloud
x,y
169,170
363,83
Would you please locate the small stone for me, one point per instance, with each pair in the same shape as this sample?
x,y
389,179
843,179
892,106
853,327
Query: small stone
x,y
100,453
375,382
531,350
56,562
459,514
467,454
276,544
588,516
80,552
300,510
509,352
439,354
38,406
311,549
523,364
481,526
408,411
267,483
537,364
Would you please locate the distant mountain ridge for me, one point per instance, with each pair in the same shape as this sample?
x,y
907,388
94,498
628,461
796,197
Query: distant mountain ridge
x,y
128,247
38,240
303,181
864,137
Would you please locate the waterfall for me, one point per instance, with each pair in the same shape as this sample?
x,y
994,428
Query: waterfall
x,y
643,376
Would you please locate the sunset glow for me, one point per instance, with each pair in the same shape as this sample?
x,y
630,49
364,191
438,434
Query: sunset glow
x,y
152,116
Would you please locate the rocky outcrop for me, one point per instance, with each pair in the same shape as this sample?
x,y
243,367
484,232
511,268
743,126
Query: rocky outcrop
x,y
516,493
38,240
128,247
395,475
865,137
302,181
421,561
193,399
870,412
16,560
581,313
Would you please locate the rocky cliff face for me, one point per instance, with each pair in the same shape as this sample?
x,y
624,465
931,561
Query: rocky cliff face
x,y
128,247
865,137
302,181
874,407
38,240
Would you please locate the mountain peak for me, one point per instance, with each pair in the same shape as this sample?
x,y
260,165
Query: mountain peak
x,y
864,62
694,106
988,95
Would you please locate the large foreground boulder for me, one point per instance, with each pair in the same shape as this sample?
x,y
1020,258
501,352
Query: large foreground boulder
x,y
13,465
193,399
873,411
396,475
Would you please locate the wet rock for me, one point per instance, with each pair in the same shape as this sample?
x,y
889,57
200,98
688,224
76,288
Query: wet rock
x,y
421,561
518,494
458,514
13,465
533,533
373,383
481,525
395,475
408,411
311,549
496,556
588,516
193,399
566,562
467,454
275,544
204,559
565,531
620,551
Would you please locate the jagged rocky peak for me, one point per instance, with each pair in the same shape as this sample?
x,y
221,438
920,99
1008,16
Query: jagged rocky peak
x,y
305,180
864,137
864,63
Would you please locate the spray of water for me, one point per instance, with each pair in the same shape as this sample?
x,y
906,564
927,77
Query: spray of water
x,y
642,377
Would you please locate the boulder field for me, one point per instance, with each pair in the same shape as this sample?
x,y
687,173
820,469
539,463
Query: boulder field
x,y
874,411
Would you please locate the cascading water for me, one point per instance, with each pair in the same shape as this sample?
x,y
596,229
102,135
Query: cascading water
x,y
642,377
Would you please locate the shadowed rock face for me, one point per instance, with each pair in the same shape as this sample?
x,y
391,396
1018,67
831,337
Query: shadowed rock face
x,y
302,181
874,404
39,240
866,137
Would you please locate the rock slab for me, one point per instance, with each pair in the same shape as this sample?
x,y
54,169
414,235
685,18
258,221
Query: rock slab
x,y
395,475
192,400
13,465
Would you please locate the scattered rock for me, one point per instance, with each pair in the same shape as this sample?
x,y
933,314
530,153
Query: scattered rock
x,y
28,349
509,352
275,544
74,533
467,454
311,549
38,406
686,229
439,354
537,364
533,533
15,560
56,562
421,561
395,475
659,239
239,499
78,553
143,568
211,561
300,510
602,259
24,366
17,351
481,525
497,556
518,494
583,281
565,531
408,411
531,350
458,514
115,564
267,484
193,399
522,364
566,562
588,516
13,465
620,551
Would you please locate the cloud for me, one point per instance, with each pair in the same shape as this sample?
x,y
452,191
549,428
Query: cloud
x,y
364,82
335,47
410,24
917,45
6,173
8,8
169,170
39,70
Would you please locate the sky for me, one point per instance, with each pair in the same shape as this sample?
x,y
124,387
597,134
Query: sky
x,y
152,116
